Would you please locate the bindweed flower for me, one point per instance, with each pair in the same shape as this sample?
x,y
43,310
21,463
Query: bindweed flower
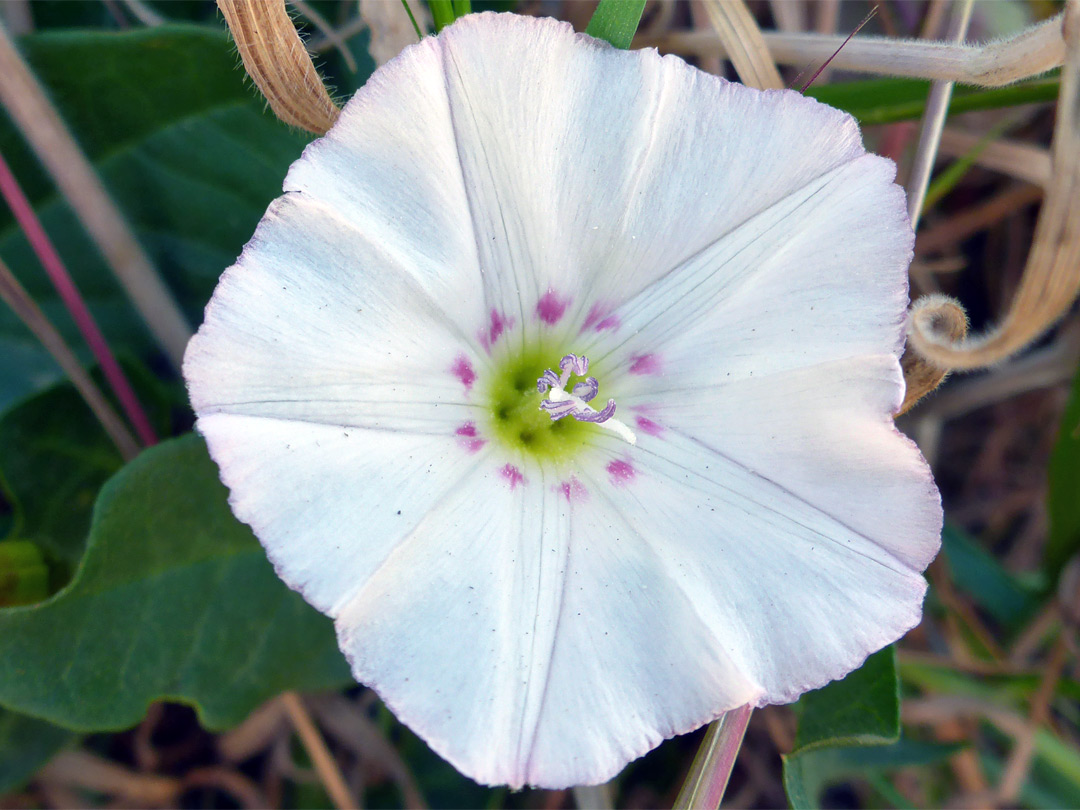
x,y
561,377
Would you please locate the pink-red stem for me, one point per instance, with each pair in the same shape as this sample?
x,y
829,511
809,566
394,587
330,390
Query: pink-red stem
x,y
69,294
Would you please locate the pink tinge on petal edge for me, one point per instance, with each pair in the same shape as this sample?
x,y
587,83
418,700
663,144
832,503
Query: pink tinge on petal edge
x,y
498,325
599,319
648,426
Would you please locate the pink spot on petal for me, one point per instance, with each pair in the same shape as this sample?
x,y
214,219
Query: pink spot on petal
x,y
463,370
647,425
621,472
599,319
644,364
550,308
573,490
596,312
512,475
498,325
469,438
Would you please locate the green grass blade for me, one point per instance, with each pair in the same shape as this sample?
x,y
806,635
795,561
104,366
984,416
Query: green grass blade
x,y
616,21
885,101
442,13
412,19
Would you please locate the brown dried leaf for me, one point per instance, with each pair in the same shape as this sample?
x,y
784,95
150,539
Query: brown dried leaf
x,y
938,315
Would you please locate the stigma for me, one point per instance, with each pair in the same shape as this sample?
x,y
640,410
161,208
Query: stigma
x,y
561,403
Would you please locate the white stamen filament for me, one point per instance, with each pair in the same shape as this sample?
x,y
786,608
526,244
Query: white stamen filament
x,y
620,429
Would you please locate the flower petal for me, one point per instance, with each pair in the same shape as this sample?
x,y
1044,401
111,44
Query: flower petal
x,y
825,436
328,503
533,638
821,275
593,171
793,572
316,323
390,170
576,178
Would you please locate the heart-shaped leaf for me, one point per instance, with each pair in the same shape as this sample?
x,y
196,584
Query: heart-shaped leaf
x,y
174,600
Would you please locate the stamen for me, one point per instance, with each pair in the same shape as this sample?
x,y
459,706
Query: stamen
x,y
586,390
549,380
598,416
560,404
557,410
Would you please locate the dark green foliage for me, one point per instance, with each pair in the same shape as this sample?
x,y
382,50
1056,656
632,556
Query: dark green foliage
x,y
187,151
174,599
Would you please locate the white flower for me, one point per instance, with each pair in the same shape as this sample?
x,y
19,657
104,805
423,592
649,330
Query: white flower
x,y
543,600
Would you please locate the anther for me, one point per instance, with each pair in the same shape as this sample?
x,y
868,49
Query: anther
x,y
560,403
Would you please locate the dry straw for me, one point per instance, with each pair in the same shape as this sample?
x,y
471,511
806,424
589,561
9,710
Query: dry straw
x,y
1028,53
275,58
744,44
15,296
1051,278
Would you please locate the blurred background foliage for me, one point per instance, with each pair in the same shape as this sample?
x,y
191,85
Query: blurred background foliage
x,y
144,636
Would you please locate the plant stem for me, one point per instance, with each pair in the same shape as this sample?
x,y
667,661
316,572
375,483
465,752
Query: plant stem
x,y
30,109
315,745
13,294
937,107
69,293
705,784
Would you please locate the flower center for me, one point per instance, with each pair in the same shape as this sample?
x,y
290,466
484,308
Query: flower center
x,y
518,418
561,404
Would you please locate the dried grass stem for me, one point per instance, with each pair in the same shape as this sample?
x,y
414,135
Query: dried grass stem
x,y
1028,53
40,123
1051,278
275,58
13,294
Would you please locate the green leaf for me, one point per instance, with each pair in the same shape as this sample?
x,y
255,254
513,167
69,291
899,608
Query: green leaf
x,y
808,773
1062,500
185,148
980,576
174,600
861,709
24,576
54,457
616,21
884,101
25,745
